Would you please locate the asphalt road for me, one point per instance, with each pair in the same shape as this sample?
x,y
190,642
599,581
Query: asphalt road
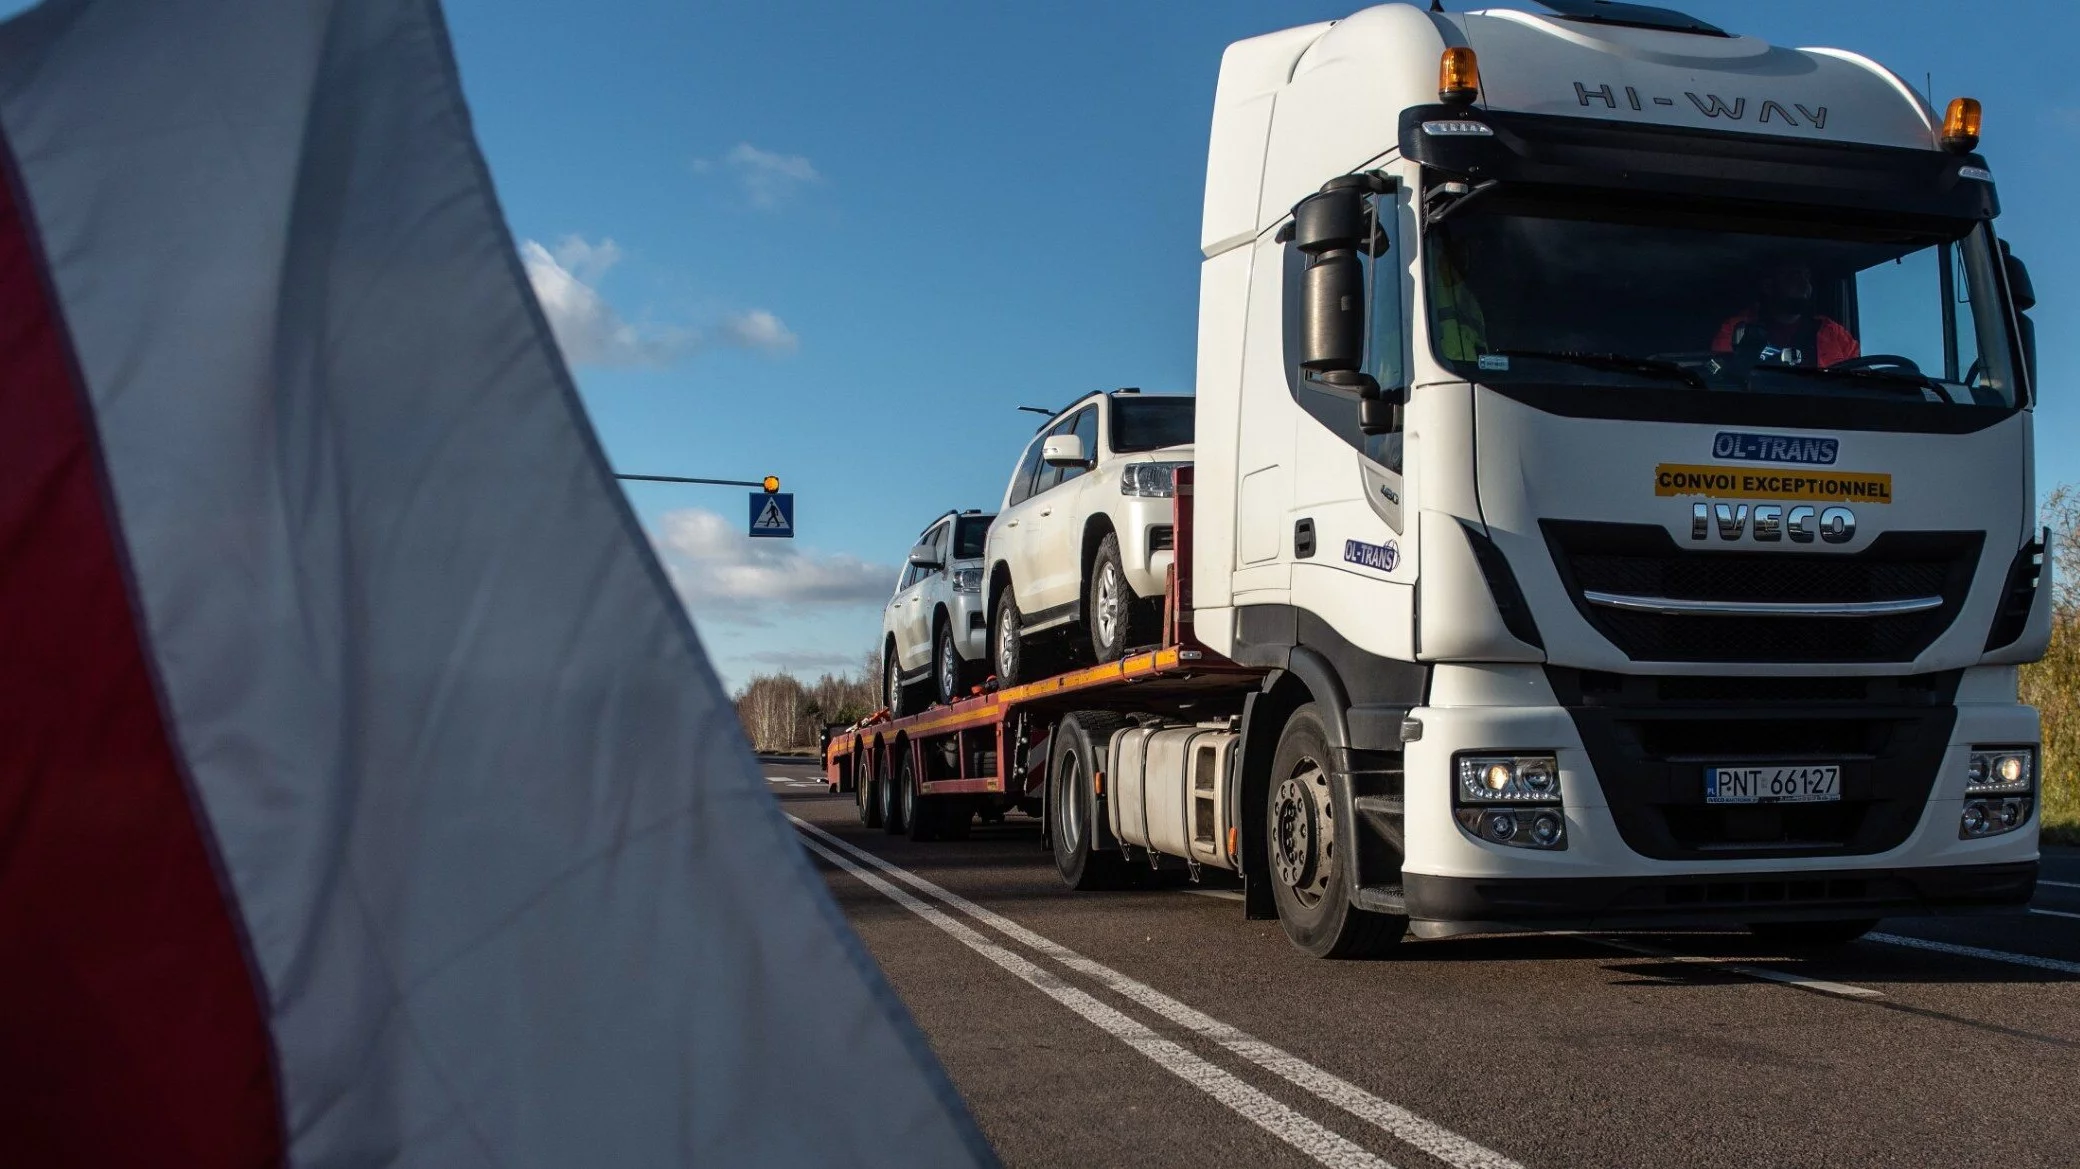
x,y
1159,1028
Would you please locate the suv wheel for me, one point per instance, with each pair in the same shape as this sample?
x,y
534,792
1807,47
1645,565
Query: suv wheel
x,y
1111,605
947,667
1007,655
892,683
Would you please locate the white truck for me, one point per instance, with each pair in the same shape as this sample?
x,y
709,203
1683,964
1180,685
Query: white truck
x,y
1613,504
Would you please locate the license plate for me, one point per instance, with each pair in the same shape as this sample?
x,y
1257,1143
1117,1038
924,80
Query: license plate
x,y
1794,784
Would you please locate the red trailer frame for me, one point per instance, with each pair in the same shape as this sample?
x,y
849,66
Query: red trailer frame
x,y
987,745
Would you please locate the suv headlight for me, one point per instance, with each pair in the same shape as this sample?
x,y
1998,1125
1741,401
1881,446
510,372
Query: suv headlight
x,y
1147,479
1510,799
967,580
2000,785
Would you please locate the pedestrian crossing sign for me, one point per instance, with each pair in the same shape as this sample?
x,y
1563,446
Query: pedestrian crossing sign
x,y
772,515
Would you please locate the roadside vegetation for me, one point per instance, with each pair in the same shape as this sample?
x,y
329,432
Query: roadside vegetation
x,y
782,714
2053,685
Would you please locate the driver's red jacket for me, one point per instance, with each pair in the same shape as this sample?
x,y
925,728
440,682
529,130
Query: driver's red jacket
x,y
1833,342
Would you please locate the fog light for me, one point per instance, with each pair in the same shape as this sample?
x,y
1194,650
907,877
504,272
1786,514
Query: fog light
x,y
1546,829
1974,820
1501,826
2011,813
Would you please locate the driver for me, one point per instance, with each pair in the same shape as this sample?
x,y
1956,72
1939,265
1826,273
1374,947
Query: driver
x,y
1781,327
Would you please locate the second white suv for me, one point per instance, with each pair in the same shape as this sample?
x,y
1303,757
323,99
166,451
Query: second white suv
x,y
1083,542
934,629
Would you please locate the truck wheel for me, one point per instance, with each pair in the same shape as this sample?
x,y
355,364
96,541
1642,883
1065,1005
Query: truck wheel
x,y
948,670
1110,606
1307,878
892,688
1072,803
1812,935
892,802
1007,654
868,788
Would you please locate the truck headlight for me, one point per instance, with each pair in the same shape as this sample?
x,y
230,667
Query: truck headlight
x,y
2000,785
1147,479
1511,799
967,580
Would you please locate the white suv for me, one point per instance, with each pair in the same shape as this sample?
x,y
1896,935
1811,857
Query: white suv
x,y
1083,542
935,624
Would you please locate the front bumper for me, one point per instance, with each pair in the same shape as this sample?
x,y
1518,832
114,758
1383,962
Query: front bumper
x,y
1695,900
1643,846
970,626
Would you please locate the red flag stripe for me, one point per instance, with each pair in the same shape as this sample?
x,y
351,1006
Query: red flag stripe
x,y
130,1029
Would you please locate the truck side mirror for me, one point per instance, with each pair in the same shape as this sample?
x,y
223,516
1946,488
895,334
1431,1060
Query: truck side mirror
x,y
1063,450
1329,226
2022,292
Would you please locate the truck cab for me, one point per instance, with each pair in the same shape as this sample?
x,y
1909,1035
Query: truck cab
x,y
1616,433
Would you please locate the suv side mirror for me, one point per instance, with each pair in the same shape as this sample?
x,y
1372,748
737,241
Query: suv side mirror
x,y
924,556
1063,450
1329,226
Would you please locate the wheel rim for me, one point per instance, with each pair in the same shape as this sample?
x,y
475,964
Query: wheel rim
x,y
895,682
949,666
1068,818
1303,834
1007,633
884,794
1109,603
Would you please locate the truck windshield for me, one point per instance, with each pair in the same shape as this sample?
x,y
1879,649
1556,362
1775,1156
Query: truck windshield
x,y
1146,424
1565,292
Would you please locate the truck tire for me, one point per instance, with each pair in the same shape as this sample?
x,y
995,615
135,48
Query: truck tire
x,y
1306,871
920,812
868,787
891,795
1006,649
1811,935
1110,609
949,672
1079,751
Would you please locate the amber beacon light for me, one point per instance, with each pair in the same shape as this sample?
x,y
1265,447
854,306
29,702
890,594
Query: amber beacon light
x,y
1459,78
1961,125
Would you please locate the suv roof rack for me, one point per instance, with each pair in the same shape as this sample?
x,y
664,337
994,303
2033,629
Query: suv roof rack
x,y
1632,16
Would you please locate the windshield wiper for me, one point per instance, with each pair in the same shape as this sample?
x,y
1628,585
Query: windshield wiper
x,y
1615,362
1882,378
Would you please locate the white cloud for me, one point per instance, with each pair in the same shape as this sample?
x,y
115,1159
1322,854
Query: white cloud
x,y
767,177
721,572
759,329
591,332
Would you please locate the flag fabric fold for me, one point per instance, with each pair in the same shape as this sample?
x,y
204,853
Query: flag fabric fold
x,y
365,796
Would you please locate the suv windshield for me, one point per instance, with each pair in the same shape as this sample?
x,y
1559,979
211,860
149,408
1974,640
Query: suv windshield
x,y
1566,292
968,533
1146,424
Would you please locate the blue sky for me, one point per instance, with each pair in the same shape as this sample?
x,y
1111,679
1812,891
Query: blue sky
x,y
848,240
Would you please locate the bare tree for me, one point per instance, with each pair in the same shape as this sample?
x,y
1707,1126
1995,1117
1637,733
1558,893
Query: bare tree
x,y
779,712
2062,515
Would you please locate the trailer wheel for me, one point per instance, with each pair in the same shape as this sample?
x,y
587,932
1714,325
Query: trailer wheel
x,y
866,786
1072,803
892,802
1306,846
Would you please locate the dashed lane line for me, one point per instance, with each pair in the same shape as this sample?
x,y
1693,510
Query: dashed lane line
x,y
2059,884
1430,1137
2032,960
1273,1117
2056,913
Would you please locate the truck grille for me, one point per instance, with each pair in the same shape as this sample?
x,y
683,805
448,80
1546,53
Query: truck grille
x,y
1642,560
1650,739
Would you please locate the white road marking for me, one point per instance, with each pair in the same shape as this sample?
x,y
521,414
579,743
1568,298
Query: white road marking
x,y
1270,1115
1434,1139
2057,913
1764,973
1975,952
2059,884
1223,894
